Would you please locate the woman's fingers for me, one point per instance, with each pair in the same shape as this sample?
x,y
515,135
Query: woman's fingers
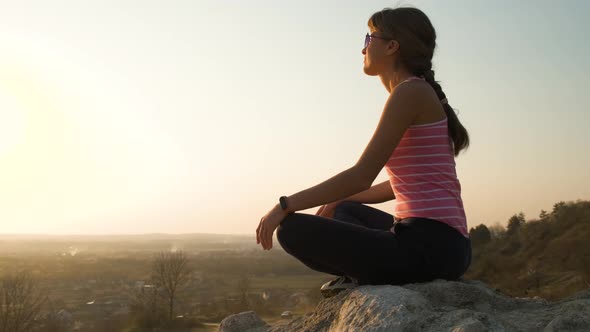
x,y
330,213
267,238
258,232
263,236
325,211
320,210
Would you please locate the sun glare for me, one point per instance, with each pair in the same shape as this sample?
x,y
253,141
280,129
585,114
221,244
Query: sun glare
x,y
12,113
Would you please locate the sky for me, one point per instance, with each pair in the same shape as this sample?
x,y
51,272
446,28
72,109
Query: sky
x,y
131,117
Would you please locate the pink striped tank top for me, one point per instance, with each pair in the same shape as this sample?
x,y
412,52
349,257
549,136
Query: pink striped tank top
x,y
423,178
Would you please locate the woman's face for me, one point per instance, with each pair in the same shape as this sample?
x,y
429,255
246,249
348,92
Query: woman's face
x,y
378,54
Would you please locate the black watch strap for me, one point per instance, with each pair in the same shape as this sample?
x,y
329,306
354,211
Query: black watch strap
x,y
283,203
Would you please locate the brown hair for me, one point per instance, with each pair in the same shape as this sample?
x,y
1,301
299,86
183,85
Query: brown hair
x,y
417,39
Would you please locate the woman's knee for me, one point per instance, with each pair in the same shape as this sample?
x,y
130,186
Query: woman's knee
x,y
347,206
286,229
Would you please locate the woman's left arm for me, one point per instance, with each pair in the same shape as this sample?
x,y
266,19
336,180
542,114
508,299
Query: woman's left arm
x,y
399,112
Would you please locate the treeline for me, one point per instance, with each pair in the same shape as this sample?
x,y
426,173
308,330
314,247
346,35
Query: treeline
x,y
548,256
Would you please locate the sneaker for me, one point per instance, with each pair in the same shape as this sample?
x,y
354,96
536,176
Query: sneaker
x,y
337,285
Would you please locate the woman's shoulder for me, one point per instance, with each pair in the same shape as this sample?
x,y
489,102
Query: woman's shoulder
x,y
421,97
415,86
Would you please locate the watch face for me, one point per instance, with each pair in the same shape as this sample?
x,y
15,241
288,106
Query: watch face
x,y
283,202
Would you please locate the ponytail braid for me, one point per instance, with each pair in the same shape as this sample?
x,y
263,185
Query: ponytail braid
x,y
457,132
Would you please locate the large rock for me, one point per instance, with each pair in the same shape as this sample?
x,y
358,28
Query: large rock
x,y
454,306
247,321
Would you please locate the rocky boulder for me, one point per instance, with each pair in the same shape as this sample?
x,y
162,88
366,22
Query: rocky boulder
x,y
246,321
454,306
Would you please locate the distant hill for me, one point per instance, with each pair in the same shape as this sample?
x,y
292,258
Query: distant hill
x,y
41,244
117,237
547,257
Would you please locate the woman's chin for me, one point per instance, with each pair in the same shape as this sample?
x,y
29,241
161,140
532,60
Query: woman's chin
x,y
369,71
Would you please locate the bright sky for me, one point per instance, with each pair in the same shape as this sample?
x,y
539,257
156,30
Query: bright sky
x,y
195,116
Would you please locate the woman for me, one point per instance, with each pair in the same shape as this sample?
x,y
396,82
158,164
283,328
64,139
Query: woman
x,y
416,140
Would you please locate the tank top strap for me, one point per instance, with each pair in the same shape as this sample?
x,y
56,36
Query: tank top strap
x,y
411,78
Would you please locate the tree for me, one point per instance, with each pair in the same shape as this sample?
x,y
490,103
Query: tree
x,y
20,302
558,208
543,214
534,273
146,304
584,260
515,222
480,235
170,271
53,321
244,284
497,231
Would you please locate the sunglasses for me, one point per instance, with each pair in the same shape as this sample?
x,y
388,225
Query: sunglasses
x,y
368,38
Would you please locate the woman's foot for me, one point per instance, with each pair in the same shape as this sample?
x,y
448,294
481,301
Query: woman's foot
x,y
337,285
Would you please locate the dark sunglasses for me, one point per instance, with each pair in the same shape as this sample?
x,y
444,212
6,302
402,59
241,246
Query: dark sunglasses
x,y
368,38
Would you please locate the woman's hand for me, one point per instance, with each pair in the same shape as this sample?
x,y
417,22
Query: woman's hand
x,y
327,210
267,226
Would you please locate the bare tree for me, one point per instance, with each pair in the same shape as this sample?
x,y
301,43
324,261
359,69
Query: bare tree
x,y
170,271
20,302
534,273
52,321
585,268
146,304
243,287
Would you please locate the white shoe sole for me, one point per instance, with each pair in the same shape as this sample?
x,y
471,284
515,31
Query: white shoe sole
x,y
328,290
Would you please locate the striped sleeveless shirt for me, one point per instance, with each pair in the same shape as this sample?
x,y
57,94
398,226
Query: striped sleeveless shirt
x,y
422,175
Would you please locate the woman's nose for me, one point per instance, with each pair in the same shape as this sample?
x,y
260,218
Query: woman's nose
x,y
364,51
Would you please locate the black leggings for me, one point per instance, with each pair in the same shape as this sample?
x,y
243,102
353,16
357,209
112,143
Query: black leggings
x,y
358,243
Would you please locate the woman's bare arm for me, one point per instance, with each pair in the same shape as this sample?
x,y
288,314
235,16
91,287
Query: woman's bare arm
x,y
378,193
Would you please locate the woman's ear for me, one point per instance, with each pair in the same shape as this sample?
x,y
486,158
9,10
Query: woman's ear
x,y
392,47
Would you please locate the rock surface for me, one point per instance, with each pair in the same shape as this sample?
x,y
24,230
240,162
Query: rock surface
x,y
247,321
454,306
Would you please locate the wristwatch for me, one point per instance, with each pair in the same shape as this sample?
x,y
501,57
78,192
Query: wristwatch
x,y
283,202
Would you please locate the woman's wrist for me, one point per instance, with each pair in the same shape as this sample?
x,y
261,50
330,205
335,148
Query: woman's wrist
x,y
285,205
281,211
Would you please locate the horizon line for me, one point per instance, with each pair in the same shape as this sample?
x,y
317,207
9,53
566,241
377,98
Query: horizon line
x,y
118,234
